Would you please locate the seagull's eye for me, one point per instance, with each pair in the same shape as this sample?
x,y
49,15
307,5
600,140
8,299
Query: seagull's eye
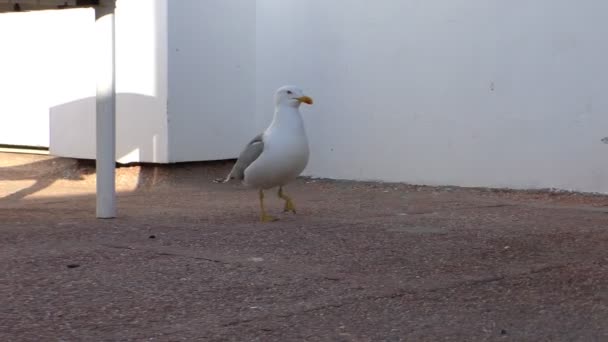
x,y
289,92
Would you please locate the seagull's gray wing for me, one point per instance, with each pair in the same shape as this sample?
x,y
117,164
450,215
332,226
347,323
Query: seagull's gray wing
x,y
251,152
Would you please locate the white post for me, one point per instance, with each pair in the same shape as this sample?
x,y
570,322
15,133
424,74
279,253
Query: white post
x,y
106,113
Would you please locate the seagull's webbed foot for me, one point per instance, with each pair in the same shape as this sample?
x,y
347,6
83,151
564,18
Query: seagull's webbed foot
x,y
289,205
264,217
267,218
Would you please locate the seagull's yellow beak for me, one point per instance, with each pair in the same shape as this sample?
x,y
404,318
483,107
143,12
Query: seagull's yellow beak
x,y
305,99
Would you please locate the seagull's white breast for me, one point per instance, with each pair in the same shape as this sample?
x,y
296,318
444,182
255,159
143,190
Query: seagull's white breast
x,y
285,153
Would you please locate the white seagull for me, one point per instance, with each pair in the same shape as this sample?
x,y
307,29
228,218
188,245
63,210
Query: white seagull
x,y
279,154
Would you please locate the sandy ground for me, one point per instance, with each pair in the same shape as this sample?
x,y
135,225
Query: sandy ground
x,y
187,260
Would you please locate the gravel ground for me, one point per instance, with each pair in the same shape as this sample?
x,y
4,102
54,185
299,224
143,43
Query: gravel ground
x,y
187,260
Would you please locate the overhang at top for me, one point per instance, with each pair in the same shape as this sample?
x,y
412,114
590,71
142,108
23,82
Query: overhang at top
x,y
35,5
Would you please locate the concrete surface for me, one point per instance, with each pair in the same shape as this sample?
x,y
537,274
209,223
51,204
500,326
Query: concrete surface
x,y
188,261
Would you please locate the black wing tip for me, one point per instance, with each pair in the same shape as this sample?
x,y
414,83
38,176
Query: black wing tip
x,y
223,180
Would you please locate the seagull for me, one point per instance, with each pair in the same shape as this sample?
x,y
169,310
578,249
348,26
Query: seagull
x,y
278,155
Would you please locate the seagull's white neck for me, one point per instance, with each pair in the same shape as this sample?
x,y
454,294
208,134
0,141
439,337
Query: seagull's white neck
x,y
287,117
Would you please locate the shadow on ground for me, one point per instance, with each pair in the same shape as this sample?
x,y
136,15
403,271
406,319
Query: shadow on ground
x,y
187,260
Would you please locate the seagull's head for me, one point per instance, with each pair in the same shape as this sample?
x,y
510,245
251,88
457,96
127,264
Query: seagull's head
x,y
291,96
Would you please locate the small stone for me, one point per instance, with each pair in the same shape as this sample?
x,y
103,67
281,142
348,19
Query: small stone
x,y
503,332
152,237
73,265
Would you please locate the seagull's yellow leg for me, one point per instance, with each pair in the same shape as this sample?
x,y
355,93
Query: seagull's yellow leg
x,y
264,216
289,206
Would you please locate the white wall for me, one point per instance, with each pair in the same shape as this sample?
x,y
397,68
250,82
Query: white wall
x,y
45,62
141,86
211,78
461,92
141,81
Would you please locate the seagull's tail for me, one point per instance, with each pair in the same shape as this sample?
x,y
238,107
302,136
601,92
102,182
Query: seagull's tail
x,y
235,173
224,180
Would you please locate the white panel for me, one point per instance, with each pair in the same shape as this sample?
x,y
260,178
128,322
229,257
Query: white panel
x,y
141,85
46,61
211,78
462,92
141,80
